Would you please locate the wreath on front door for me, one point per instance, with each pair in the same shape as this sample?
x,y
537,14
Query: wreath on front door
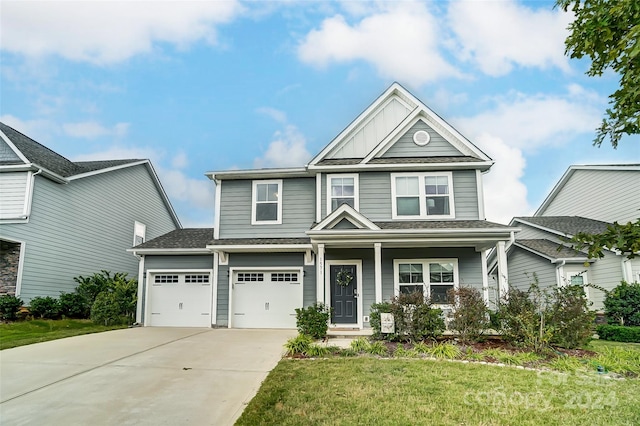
x,y
344,277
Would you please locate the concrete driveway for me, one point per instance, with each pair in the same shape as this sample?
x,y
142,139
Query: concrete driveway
x,y
160,376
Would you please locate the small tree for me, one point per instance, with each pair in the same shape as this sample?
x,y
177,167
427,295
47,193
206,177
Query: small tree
x,y
622,304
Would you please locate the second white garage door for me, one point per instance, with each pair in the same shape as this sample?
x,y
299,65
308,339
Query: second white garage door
x,y
266,299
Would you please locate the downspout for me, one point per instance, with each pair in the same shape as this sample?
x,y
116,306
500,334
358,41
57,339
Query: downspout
x,y
559,272
141,280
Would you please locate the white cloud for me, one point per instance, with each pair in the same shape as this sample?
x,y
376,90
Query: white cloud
x,y
497,35
93,129
288,149
399,39
505,196
530,122
180,161
39,130
109,32
275,114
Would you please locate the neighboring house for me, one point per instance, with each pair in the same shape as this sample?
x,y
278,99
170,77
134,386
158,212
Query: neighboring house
x,y
60,219
586,199
392,205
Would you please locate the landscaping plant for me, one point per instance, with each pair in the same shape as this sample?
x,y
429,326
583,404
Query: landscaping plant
x,y
45,307
414,318
573,323
9,306
313,320
622,304
470,319
74,305
618,333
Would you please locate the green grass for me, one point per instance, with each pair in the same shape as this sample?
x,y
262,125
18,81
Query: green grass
x,y
27,332
367,390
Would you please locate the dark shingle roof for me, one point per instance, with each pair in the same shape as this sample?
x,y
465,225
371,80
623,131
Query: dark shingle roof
x,y
439,224
50,160
187,238
550,249
397,160
260,241
569,225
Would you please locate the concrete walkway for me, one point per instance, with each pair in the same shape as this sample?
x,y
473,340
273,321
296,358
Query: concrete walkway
x,y
159,376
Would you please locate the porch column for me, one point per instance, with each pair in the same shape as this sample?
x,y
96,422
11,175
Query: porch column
x,y
141,289
485,277
377,250
503,274
320,274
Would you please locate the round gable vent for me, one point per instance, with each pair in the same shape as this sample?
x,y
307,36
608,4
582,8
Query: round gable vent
x,y
421,137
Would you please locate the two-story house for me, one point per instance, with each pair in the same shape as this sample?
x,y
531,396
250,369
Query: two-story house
x,y
587,198
60,219
394,204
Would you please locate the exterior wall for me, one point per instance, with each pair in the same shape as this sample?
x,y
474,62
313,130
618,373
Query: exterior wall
x,y
522,265
368,272
13,193
375,195
606,273
298,210
607,195
437,146
85,226
9,263
257,260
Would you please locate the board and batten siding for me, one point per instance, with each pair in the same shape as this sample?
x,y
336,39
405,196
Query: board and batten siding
x,y
376,203
86,226
298,210
606,195
262,260
14,187
437,146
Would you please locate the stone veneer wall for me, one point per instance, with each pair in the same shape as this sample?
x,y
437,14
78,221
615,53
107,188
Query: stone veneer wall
x,y
9,260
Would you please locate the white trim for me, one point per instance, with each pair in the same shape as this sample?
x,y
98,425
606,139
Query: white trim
x,y
214,291
627,270
327,279
28,199
309,258
403,166
318,197
216,226
503,271
141,285
13,147
480,193
150,272
485,277
345,211
248,248
377,255
426,282
23,249
160,251
320,287
139,226
356,190
422,196
223,257
258,174
233,269
106,170
254,191
570,271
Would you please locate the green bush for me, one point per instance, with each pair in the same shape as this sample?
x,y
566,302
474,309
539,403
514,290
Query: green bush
x,y
9,306
74,305
569,315
414,318
618,333
313,320
116,303
106,310
622,304
471,315
298,345
45,307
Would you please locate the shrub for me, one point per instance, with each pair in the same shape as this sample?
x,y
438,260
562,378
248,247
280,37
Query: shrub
x,y
9,306
298,345
445,351
622,304
569,315
360,344
106,310
378,348
45,307
313,320
90,287
414,318
618,333
471,315
74,305
116,303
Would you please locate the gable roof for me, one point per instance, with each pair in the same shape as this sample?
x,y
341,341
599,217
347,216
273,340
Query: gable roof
x,y
186,239
550,250
569,173
564,225
348,213
406,110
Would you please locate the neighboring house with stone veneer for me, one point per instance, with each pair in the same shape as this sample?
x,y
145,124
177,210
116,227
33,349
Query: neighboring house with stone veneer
x,y
60,219
394,204
586,199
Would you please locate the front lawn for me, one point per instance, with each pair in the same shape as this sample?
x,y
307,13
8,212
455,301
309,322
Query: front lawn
x,y
367,390
27,332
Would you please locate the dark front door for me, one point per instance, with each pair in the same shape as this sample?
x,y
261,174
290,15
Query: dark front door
x,y
344,297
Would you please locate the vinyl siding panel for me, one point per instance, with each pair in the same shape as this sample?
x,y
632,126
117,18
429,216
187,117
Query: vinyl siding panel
x,y
13,194
298,210
85,226
465,194
606,273
437,146
523,264
607,195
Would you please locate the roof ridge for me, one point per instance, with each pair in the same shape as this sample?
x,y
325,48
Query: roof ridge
x,y
36,142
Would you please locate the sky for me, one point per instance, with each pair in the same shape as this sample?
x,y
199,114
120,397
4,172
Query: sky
x,y
200,86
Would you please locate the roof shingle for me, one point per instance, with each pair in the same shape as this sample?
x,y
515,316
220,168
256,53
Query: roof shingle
x,y
569,225
186,238
552,249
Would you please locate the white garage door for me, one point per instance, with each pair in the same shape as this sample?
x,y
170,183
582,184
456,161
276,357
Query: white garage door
x,y
179,299
266,299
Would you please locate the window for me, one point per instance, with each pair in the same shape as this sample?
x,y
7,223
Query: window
x,y
250,276
284,276
432,277
196,279
342,189
267,202
139,232
166,279
422,195
574,275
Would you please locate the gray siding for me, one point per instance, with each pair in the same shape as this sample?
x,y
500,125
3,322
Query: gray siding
x,y
522,265
465,194
238,260
298,210
7,155
606,273
437,146
86,226
607,195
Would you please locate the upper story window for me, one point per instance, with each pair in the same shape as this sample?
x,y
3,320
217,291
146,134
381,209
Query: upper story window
x,y
139,233
342,189
431,277
422,195
266,205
